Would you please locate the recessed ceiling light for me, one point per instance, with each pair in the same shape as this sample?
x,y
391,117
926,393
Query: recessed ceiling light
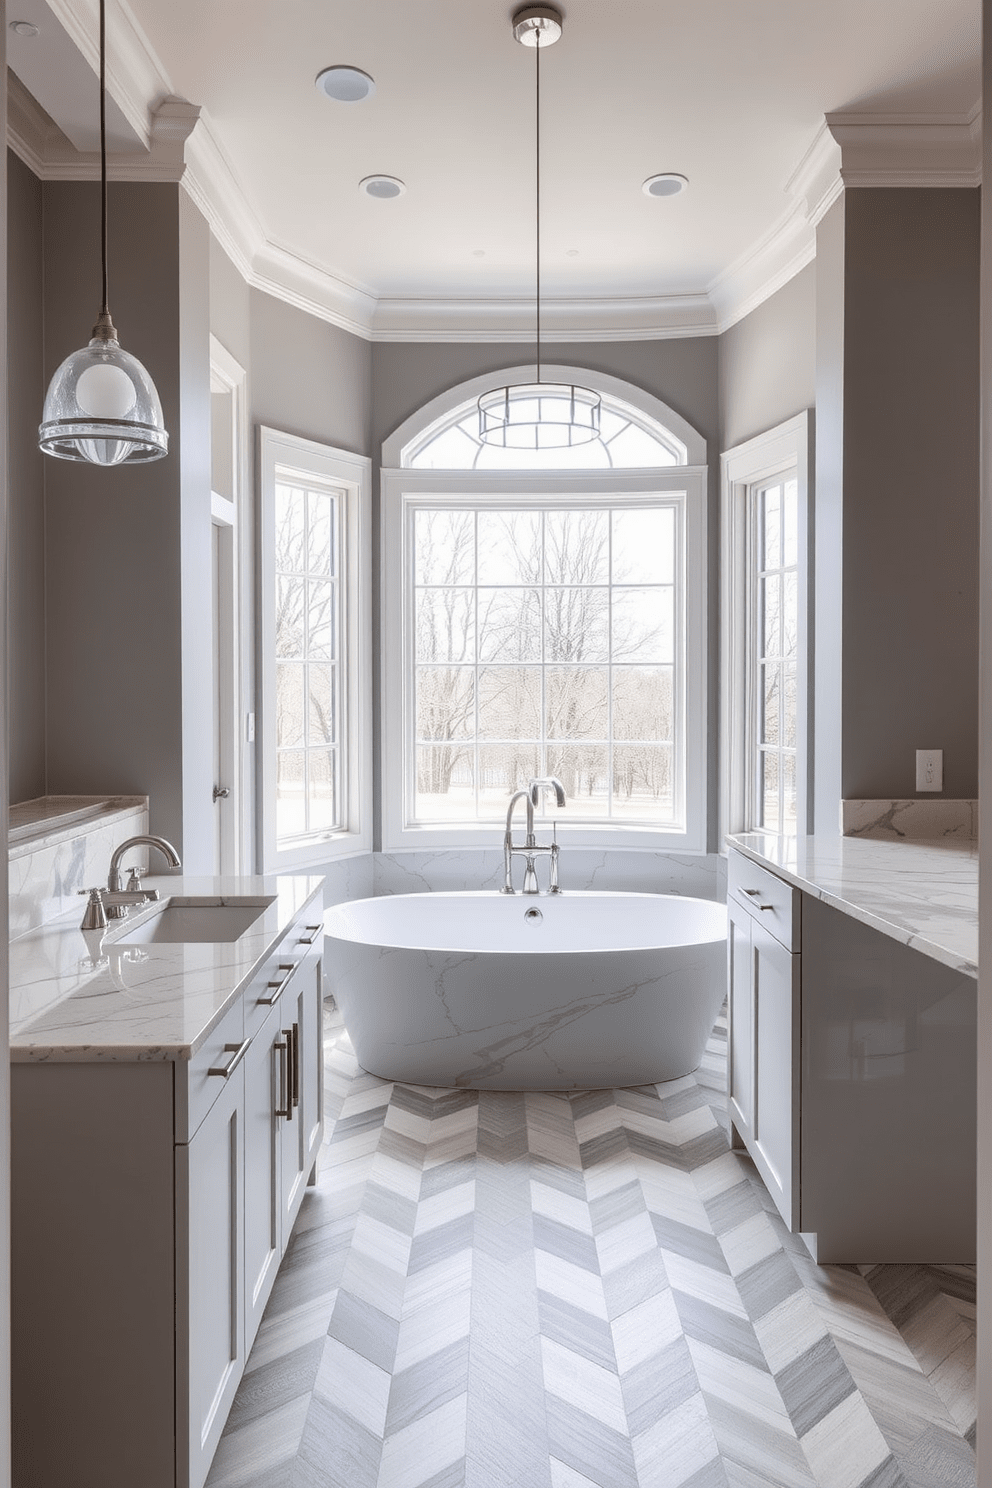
x,y
382,187
667,184
478,252
571,252
345,84
23,28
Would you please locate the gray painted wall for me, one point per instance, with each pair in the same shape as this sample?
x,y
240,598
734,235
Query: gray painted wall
x,y
230,305
307,377
825,634
26,531
768,362
911,406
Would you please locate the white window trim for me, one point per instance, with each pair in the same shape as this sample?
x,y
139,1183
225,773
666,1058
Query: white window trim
x,y
352,474
788,446
399,488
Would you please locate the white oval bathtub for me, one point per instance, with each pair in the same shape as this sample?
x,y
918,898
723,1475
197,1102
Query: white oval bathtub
x,y
514,992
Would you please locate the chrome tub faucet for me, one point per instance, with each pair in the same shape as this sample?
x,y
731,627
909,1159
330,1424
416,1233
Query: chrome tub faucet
x,y
531,849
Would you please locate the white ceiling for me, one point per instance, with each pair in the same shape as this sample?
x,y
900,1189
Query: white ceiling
x,y
731,93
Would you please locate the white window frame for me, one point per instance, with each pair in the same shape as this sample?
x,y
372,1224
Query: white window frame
x,y
788,446
307,460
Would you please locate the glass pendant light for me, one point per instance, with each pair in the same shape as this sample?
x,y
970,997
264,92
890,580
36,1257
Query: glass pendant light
x,y
101,405
538,415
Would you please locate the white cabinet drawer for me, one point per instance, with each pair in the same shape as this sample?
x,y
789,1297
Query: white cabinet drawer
x,y
773,902
196,1087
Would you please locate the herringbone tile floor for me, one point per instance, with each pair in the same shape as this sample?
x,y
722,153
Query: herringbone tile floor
x,y
583,1290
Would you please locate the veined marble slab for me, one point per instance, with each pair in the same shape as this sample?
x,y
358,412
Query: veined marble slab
x,y
64,855
49,819
923,893
895,821
78,995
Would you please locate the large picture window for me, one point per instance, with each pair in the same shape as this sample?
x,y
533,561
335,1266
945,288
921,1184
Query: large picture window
x,y
315,670
545,622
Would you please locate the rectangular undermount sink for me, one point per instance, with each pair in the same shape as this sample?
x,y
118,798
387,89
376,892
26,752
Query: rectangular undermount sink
x,y
188,922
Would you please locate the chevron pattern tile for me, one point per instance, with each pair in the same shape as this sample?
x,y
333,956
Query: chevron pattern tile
x,y
583,1290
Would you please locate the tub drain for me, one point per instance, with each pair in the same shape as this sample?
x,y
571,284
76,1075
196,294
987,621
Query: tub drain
x,y
533,915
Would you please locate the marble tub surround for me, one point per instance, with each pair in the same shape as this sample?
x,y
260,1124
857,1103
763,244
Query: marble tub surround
x,y
494,1290
897,821
922,893
635,871
78,996
60,845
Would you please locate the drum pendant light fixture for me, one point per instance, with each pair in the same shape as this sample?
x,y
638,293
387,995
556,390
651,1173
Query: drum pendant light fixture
x,y
538,415
101,405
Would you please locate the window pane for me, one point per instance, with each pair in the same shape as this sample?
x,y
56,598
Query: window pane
x,y
576,547
790,614
509,625
643,624
320,620
577,702
771,610
769,792
320,505
444,544
789,792
320,728
509,547
445,702
771,519
290,529
584,772
322,793
790,709
446,625
576,625
644,547
642,703
291,805
634,449
290,594
509,703
453,449
790,522
770,706
643,782
445,782
289,705
503,769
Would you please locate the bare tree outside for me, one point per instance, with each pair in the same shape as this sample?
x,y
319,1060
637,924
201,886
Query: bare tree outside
x,y
546,642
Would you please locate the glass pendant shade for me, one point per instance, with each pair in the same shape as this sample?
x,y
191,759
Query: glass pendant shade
x,y
102,407
539,415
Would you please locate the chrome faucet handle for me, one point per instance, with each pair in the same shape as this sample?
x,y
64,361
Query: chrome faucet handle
x,y
134,881
94,915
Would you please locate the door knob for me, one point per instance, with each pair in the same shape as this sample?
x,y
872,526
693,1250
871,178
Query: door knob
x,y
221,792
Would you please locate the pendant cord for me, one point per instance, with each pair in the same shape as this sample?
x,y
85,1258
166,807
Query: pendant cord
x,y
103,151
537,173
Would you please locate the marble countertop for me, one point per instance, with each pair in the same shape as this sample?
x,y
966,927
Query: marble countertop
x,y
923,893
78,995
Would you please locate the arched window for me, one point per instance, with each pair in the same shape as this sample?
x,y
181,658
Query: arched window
x,y
544,614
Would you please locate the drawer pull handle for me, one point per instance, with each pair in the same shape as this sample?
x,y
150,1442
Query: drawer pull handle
x,y
239,1051
312,932
284,1108
766,906
295,1049
753,892
276,989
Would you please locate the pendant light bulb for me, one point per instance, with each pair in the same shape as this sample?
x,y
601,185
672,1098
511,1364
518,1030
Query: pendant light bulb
x,y
101,405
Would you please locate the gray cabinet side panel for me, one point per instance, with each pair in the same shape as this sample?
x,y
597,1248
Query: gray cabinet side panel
x,y
889,1097
93,1270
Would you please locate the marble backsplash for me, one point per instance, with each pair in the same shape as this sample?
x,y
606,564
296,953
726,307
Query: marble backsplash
x,y
702,877
58,853
897,821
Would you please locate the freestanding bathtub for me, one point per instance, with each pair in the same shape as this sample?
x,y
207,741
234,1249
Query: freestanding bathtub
x,y
513,992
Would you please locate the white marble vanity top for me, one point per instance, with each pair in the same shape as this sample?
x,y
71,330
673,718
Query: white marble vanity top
x,y
79,996
923,893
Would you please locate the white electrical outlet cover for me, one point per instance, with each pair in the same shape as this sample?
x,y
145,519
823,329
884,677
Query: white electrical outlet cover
x,y
929,769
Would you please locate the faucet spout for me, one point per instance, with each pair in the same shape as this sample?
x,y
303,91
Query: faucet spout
x,y
118,909
531,796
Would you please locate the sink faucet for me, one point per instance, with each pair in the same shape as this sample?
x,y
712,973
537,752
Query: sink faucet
x,y
117,899
530,849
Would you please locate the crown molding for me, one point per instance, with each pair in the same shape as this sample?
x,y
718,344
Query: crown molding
x,y
135,74
906,150
563,320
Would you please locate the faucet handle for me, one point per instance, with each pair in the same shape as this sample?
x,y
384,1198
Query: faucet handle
x,y
134,881
94,915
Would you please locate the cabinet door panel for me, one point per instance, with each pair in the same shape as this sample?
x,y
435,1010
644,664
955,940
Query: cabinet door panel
x,y
215,1245
300,1136
776,1105
740,1043
263,1244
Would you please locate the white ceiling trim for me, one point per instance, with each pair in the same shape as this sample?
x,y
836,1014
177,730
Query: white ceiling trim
x,y
848,150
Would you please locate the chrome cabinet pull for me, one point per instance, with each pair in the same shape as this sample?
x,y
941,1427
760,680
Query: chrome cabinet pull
x,y
295,1045
276,989
239,1051
283,1108
312,932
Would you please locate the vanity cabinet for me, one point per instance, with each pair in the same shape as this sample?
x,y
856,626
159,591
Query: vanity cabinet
x,y
851,1077
152,1204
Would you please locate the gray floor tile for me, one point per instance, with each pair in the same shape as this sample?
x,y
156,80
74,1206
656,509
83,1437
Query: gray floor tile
x,y
814,1384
